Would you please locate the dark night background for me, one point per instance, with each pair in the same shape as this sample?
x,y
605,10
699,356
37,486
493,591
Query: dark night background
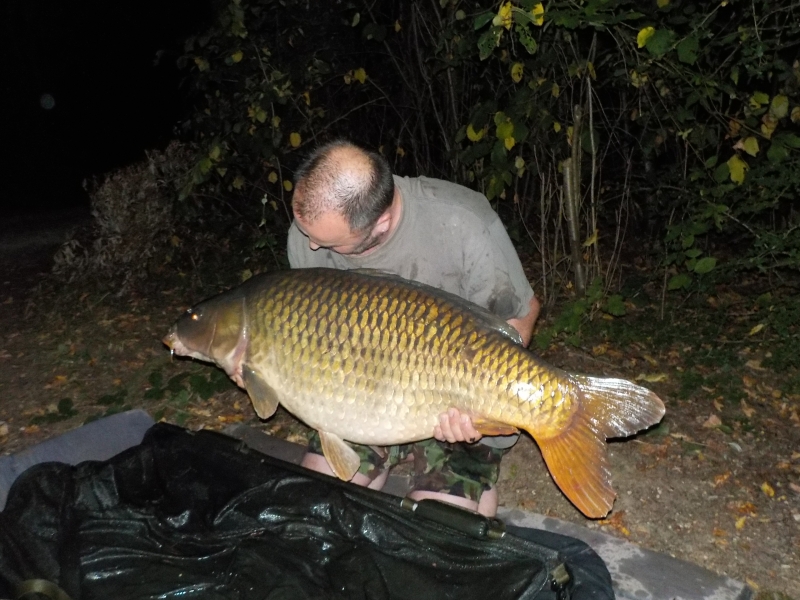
x,y
110,70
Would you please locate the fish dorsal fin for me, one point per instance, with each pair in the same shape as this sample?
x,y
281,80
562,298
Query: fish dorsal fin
x,y
483,316
342,458
262,395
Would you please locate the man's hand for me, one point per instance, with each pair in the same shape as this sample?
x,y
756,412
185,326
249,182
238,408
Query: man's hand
x,y
455,427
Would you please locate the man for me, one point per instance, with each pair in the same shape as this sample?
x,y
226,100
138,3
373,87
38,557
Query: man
x,y
350,213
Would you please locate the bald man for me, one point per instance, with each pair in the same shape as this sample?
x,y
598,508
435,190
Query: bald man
x,y
350,212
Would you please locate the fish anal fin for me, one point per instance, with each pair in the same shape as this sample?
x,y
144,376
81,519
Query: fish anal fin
x,y
262,395
576,458
488,427
344,461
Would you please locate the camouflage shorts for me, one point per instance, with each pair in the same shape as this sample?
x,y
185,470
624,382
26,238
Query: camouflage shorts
x,y
464,470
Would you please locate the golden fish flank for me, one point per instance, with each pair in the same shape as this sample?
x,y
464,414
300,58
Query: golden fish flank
x,y
374,359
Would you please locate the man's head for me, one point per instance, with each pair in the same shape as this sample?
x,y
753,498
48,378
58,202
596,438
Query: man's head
x,y
342,197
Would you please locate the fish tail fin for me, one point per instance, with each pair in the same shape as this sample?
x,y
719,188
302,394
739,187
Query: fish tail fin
x,y
620,408
576,456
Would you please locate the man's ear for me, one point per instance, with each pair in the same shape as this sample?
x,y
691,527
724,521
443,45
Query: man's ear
x,y
383,222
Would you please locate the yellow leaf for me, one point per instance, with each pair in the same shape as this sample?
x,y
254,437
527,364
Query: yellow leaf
x,y
644,35
287,185
473,135
750,145
519,162
222,171
238,182
662,3
737,168
201,63
740,522
509,142
768,125
246,274
767,489
590,69
214,154
779,107
556,91
397,27
538,14
400,152
516,72
360,75
556,126
503,16
276,121
348,77
795,114
638,79
273,177
294,139
307,98
756,329
237,56
591,240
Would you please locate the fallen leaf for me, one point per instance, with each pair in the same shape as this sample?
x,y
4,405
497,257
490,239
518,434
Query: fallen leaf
x,y
652,377
740,522
767,489
717,532
756,329
795,488
754,364
720,479
749,381
748,412
747,508
3,429
718,405
712,421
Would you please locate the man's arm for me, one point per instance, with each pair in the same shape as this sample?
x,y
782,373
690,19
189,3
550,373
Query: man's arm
x,y
455,427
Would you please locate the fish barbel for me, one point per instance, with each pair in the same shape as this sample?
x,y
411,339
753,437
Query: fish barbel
x,y
375,359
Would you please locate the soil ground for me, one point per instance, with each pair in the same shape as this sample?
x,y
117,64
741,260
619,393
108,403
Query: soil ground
x,y
717,483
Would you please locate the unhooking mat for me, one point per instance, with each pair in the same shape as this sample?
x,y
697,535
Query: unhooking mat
x,y
199,515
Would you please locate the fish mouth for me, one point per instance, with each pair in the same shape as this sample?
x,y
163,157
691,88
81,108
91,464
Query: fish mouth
x,y
175,345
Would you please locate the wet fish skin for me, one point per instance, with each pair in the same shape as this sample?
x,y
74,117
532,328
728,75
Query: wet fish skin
x,y
375,359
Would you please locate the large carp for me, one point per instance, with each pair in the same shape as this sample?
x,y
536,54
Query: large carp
x,y
375,359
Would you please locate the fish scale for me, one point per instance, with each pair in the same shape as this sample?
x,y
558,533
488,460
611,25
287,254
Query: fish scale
x,y
375,359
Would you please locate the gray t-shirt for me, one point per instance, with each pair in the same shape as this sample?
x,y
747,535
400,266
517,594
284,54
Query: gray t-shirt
x,y
448,237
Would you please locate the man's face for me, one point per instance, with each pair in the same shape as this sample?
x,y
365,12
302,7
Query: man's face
x,y
331,231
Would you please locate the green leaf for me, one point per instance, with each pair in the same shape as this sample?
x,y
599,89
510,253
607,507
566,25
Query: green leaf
x,y
687,50
660,42
482,20
681,280
488,42
777,153
705,265
693,252
526,38
721,173
615,306
712,162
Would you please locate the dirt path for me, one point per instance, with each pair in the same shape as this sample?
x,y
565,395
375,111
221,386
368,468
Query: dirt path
x,y
717,484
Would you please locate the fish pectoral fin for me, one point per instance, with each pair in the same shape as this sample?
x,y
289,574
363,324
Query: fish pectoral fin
x,y
262,395
340,456
576,458
488,427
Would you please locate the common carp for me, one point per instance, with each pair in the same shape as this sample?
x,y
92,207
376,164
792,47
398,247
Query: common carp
x,y
375,359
